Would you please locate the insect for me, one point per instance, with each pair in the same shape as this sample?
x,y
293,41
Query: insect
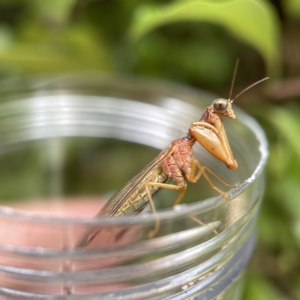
x,y
178,163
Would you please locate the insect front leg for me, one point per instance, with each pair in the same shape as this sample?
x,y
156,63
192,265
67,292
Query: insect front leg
x,y
202,170
182,189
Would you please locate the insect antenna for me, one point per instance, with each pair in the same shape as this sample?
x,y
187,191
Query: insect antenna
x,y
233,79
248,88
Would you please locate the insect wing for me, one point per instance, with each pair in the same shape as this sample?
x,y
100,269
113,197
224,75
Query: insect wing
x,y
116,201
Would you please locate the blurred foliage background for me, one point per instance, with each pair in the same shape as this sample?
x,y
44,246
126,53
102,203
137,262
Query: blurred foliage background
x,y
194,43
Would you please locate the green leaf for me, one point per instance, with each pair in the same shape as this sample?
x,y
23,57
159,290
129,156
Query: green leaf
x,y
53,10
73,49
286,122
253,22
292,8
259,287
6,38
284,164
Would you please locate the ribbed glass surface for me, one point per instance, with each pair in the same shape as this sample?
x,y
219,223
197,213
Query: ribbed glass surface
x,y
52,131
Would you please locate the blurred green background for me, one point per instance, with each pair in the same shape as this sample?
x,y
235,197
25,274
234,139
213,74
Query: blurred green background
x,y
194,43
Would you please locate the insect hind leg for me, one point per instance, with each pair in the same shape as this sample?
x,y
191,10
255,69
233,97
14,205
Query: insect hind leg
x,y
154,231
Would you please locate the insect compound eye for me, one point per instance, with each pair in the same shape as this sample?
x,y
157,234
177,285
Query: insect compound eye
x,y
220,104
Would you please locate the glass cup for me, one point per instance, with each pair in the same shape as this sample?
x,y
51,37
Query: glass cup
x,y
67,143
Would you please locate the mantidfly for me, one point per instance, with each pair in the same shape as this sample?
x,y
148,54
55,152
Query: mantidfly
x,y
178,163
